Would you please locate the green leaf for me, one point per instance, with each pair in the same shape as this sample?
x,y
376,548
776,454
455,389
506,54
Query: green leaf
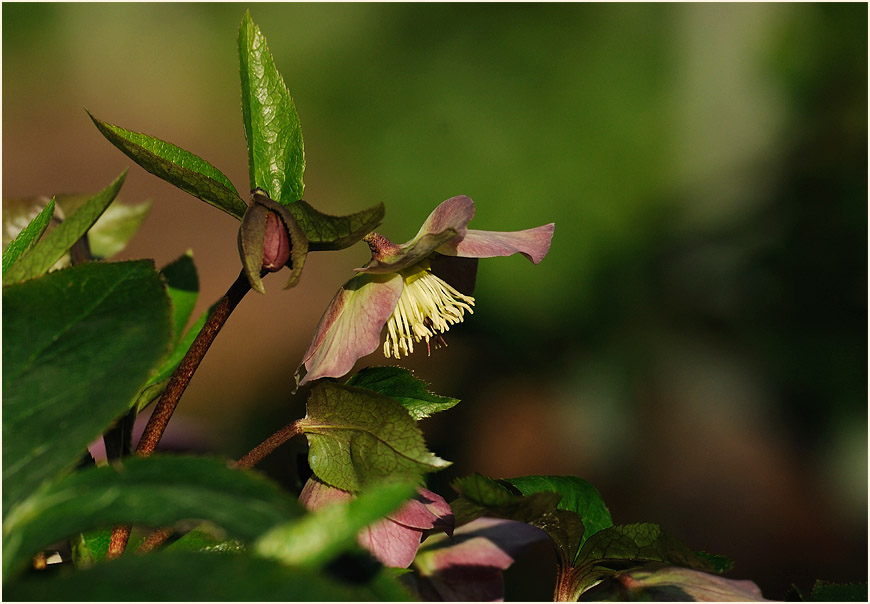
x,y
27,237
206,537
481,495
201,576
182,285
77,345
276,159
578,496
327,232
356,436
319,536
187,171
839,592
114,229
400,384
155,491
44,254
644,542
90,547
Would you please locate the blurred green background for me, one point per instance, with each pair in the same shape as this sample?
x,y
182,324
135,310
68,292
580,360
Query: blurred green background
x,y
695,344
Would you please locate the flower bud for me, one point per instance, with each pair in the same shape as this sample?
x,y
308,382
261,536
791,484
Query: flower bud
x,y
276,243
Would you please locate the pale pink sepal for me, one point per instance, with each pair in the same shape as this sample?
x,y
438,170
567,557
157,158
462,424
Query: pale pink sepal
x,y
531,243
351,325
453,213
667,581
426,511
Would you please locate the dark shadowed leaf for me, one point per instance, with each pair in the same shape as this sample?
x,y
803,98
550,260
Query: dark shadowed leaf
x,y
327,232
824,591
202,576
578,496
187,171
154,491
276,159
321,535
39,258
356,436
77,345
400,384
27,237
483,496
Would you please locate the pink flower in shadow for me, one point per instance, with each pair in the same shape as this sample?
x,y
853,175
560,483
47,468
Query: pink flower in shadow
x,y
395,539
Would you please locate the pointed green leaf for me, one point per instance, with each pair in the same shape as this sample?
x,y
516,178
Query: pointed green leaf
x,y
578,496
90,547
319,536
276,159
114,229
356,436
155,491
327,232
202,577
44,254
400,384
27,237
77,345
187,171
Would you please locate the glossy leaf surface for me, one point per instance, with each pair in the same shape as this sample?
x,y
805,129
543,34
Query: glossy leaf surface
x,y
187,171
327,232
276,159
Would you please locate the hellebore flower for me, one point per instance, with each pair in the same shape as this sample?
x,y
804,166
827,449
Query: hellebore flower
x,y
395,539
402,288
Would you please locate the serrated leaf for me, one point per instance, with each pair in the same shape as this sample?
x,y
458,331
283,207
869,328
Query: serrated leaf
x,y
481,495
320,536
276,158
326,232
356,436
44,254
578,497
155,491
196,577
77,346
400,384
644,542
190,173
114,229
27,237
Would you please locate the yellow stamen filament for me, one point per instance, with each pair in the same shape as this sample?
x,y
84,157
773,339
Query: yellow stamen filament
x,y
426,309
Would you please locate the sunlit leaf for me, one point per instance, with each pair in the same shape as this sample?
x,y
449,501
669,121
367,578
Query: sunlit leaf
x,y
187,171
27,237
326,232
114,229
276,159
357,436
400,384
39,258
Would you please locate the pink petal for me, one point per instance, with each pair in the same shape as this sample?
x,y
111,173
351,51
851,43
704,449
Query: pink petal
x,y
531,243
316,494
700,586
351,326
391,543
453,213
426,511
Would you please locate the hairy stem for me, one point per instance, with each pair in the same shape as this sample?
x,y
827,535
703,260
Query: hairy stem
x,y
258,453
165,407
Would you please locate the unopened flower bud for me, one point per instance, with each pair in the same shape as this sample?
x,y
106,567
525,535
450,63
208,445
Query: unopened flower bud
x,y
276,243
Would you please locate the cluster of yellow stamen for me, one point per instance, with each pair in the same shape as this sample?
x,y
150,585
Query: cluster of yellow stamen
x,y
426,309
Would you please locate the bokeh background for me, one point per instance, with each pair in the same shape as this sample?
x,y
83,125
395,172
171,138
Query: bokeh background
x,y
695,344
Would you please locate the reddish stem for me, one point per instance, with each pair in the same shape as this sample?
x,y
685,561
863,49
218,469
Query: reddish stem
x,y
258,453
